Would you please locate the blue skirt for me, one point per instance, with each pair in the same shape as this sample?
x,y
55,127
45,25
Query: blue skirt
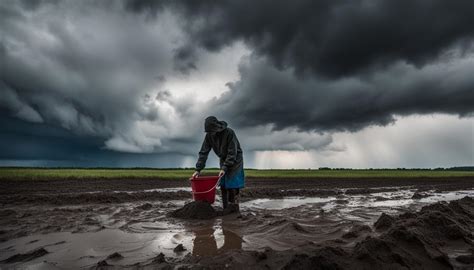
x,y
237,180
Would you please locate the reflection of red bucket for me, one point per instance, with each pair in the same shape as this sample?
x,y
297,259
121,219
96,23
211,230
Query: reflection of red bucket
x,y
204,188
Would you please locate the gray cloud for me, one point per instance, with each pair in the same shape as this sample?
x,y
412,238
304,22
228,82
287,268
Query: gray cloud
x,y
90,74
185,58
266,138
333,38
267,95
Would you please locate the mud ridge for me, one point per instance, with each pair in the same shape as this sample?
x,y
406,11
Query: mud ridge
x,y
26,256
92,198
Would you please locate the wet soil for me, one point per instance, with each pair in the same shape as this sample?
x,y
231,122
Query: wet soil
x,y
283,224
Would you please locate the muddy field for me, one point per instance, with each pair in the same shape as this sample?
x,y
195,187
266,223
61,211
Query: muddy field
x,y
418,223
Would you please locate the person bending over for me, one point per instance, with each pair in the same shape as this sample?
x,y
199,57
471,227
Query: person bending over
x,y
225,144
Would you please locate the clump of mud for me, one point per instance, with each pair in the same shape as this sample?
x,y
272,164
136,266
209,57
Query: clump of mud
x,y
26,256
356,231
115,256
179,248
195,210
145,206
384,222
420,195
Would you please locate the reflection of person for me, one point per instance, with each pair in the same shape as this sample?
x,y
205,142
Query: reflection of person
x,y
225,144
231,240
204,243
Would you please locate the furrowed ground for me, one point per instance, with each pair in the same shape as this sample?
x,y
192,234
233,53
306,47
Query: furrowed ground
x,y
20,184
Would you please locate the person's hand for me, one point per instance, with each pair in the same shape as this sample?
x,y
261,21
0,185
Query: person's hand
x,y
221,173
195,174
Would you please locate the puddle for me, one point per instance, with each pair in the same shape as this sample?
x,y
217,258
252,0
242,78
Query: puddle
x,y
175,189
289,202
212,238
142,241
447,196
86,249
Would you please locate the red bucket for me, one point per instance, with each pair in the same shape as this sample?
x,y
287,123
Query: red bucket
x,y
204,188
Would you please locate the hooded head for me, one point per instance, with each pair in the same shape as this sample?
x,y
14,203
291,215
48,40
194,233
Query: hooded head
x,y
212,125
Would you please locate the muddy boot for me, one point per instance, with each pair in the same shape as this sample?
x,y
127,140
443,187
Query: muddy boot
x,y
225,199
233,200
234,208
231,208
237,200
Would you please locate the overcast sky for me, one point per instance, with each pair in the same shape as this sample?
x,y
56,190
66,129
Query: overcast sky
x,y
305,84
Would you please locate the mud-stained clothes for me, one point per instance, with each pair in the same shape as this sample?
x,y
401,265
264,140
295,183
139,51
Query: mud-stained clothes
x,y
225,144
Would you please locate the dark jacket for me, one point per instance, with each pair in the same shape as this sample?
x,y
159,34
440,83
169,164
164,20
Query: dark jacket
x,y
225,144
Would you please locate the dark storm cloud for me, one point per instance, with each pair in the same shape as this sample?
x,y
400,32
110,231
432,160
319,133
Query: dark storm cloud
x,y
185,59
70,77
31,144
20,140
331,37
88,67
265,95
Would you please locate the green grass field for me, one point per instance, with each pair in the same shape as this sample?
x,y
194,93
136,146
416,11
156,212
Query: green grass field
x,y
56,173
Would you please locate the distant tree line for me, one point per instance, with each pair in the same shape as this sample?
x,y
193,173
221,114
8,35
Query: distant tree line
x,y
461,168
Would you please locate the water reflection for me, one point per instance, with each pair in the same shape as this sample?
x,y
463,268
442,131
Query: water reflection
x,y
231,240
204,243
214,238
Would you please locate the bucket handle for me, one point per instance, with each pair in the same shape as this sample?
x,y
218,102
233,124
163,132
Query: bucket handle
x,y
202,192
